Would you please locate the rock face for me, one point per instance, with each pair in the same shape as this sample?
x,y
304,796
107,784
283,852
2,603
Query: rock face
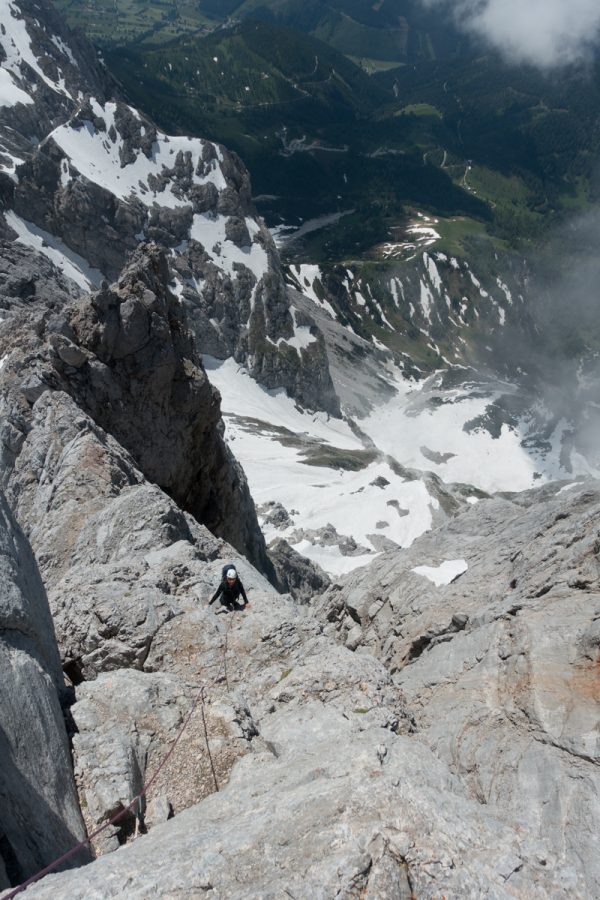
x,y
144,378
428,727
122,561
296,574
499,668
334,795
124,565
87,178
46,68
442,310
129,364
407,725
39,818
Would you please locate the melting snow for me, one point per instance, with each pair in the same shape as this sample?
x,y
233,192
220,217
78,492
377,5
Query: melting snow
x,y
429,235
395,285
10,169
569,487
426,300
401,426
306,276
69,262
503,287
477,284
10,94
60,44
322,494
445,574
17,47
433,273
210,232
302,335
98,159
421,413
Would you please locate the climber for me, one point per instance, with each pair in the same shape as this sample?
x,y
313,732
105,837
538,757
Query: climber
x,y
230,588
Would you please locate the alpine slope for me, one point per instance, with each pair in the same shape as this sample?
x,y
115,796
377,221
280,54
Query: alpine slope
x,y
357,445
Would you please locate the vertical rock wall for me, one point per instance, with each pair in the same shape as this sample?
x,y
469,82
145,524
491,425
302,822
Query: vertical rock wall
x,y
39,811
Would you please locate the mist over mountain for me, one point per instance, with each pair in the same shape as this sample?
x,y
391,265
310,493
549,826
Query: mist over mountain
x,y
308,291
544,33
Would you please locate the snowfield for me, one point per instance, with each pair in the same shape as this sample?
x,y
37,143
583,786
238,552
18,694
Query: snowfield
x,y
97,156
70,263
325,475
445,573
415,432
210,232
16,44
273,439
10,93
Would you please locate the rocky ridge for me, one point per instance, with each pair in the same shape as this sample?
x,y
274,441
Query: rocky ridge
x,y
86,179
457,758
128,364
120,559
418,730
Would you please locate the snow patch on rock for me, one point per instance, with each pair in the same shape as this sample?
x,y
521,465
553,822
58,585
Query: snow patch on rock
x,y
445,573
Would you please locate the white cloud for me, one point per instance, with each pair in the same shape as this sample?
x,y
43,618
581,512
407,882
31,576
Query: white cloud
x,y
546,33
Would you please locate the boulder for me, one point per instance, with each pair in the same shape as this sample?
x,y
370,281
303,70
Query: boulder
x,y
296,574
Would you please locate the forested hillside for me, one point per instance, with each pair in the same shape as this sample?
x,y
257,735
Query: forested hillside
x,y
318,99
318,134
385,32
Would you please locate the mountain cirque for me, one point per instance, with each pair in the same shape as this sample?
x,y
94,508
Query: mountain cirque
x,y
427,727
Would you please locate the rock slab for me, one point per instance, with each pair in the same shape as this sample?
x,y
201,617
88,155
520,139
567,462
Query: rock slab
x,y
39,811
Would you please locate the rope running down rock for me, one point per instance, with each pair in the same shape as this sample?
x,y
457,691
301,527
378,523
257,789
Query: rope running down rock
x,y
135,803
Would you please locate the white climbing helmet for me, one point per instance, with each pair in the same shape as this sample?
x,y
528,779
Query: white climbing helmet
x,y
231,573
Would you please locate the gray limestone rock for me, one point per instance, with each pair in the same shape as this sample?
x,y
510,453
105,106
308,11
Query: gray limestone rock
x,y
296,574
329,807
378,788
39,817
128,363
328,536
236,230
274,513
498,667
113,548
147,380
126,723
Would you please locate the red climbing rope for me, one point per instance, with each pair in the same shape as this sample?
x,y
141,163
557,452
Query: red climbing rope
x,y
137,799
